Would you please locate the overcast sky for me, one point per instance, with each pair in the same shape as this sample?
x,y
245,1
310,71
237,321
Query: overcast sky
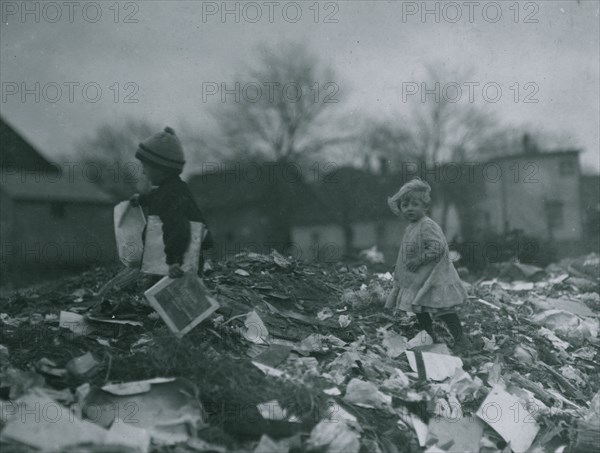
x,y
374,47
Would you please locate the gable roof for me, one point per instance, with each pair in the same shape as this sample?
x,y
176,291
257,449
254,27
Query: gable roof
x,y
26,175
16,152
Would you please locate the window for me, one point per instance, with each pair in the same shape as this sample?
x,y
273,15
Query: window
x,y
567,167
554,214
57,210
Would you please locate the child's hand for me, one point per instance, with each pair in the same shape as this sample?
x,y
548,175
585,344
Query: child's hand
x,y
135,200
175,271
413,265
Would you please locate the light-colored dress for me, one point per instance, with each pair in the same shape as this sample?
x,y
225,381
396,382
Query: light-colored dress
x,y
435,286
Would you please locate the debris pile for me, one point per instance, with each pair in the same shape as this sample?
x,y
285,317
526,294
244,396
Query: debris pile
x,y
303,357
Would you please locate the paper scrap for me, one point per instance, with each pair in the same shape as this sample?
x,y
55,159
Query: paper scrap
x,y
437,366
255,329
509,418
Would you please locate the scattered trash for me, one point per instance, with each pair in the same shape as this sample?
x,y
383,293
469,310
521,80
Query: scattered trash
x,y
510,418
438,367
397,381
8,321
365,394
3,354
525,354
335,437
129,436
532,370
456,435
420,339
344,321
324,314
255,329
280,260
82,365
55,431
167,408
567,324
373,255
113,320
420,428
395,344
268,370
75,323
271,410
47,366
556,342
572,306
268,445
274,355
333,391
387,277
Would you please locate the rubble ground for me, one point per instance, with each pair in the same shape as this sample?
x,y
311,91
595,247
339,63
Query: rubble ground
x,y
303,357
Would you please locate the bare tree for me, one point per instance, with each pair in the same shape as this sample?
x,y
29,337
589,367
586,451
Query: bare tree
x,y
283,109
111,148
445,131
280,111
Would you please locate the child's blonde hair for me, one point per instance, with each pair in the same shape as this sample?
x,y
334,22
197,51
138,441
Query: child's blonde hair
x,y
414,187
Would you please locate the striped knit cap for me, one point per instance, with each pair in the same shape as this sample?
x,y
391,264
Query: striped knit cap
x,y
163,149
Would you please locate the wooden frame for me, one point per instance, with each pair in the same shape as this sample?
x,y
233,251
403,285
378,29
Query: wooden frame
x,y
182,303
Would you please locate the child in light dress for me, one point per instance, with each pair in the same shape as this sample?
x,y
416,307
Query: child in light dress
x,y
425,281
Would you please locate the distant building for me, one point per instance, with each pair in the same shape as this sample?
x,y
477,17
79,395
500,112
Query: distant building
x,y
538,193
590,202
349,213
48,217
342,214
252,208
542,194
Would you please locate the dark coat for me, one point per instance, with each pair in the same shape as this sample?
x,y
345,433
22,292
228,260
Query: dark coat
x,y
174,204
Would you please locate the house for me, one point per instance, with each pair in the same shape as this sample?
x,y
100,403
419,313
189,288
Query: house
x,y
49,216
538,193
343,213
354,216
250,207
590,201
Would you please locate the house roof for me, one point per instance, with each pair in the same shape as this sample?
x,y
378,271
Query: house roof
x,y
353,195
536,155
345,195
17,152
229,191
27,175
52,187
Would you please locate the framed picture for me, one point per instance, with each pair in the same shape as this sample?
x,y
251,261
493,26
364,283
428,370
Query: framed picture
x,y
182,303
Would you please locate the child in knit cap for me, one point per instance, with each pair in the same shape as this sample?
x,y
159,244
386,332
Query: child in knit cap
x,y
425,281
162,161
